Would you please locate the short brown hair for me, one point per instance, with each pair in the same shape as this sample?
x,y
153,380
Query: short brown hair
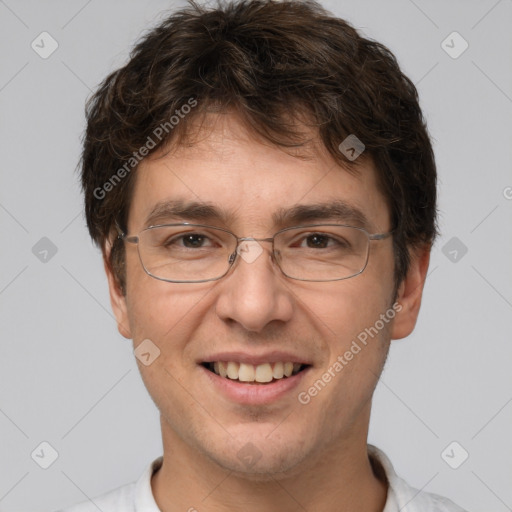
x,y
265,60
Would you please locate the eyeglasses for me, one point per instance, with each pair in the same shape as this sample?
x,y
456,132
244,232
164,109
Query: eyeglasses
x,y
196,253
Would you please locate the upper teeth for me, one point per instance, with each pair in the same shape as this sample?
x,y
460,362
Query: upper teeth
x,y
255,373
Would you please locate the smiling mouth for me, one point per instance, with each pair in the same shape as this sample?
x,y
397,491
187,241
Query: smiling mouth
x,y
265,373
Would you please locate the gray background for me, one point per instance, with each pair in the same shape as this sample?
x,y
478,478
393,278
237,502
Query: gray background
x,y
67,376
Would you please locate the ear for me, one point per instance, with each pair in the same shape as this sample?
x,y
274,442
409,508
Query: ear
x,y
117,297
410,292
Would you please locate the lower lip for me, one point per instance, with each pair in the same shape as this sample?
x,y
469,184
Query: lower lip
x,y
254,394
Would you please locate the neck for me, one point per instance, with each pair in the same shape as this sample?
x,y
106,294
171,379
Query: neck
x,y
340,479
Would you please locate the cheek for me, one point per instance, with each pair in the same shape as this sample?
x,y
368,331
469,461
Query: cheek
x,y
165,313
158,308
341,310
152,305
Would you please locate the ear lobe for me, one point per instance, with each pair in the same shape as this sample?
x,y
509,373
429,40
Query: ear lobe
x,y
410,292
117,298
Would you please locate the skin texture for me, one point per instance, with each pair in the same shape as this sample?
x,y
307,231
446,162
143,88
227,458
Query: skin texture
x,y
312,456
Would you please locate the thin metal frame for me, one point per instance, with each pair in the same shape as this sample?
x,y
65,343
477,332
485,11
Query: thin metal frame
x,y
134,239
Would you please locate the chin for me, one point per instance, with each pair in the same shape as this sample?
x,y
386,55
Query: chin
x,y
268,468
260,458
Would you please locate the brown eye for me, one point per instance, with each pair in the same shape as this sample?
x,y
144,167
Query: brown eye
x,y
193,240
317,241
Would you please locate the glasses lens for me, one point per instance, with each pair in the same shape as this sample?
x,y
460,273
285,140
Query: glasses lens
x,y
322,253
186,253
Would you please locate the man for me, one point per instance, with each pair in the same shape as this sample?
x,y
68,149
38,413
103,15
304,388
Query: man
x,y
262,185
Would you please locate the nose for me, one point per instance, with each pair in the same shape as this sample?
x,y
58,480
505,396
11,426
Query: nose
x,y
254,293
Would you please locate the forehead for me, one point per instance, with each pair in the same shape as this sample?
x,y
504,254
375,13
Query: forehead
x,y
224,174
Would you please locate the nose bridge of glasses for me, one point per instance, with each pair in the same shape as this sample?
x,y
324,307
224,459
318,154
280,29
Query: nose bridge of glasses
x,y
251,254
252,239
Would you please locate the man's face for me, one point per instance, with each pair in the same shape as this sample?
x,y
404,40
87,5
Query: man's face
x,y
255,313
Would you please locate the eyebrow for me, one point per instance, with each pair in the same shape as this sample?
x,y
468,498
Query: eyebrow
x,y
203,212
336,210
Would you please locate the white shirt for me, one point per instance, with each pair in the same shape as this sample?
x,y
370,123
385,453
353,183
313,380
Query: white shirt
x,y
138,496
